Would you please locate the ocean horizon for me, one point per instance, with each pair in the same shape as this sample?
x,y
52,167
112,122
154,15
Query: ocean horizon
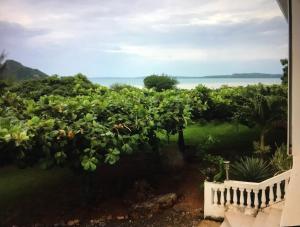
x,y
188,82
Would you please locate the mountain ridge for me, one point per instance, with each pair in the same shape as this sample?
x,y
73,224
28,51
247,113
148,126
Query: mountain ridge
x,y
15,71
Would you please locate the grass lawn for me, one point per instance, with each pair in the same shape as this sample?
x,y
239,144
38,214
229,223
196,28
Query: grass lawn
x,y
228,138
17,184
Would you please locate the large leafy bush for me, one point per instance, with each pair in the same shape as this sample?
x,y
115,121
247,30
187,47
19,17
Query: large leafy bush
x,y
72,122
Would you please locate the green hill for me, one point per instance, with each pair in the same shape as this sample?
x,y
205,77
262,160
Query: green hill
x,y
15,71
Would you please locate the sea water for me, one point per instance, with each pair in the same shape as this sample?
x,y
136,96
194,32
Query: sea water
x,y
188,83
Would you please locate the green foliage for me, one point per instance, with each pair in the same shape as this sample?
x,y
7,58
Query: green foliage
x,y
206,143
266,108
160,82
260,149
174,111
285,64
71,122
85,128
214,168
120,86
54,85
250,169
281,161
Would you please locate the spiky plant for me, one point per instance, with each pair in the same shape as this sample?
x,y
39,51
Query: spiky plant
x,y
250,169
281,161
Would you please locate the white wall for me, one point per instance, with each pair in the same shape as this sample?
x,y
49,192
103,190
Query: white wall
x,y
296,77
291,212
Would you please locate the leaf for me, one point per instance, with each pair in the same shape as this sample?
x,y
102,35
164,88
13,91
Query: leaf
x,y
60,157
89,163
126,148
89,117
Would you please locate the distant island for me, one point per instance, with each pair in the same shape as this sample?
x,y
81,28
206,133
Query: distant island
x,y
235,75
246,75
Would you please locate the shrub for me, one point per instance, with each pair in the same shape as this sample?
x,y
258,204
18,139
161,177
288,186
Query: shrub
x,y
261,149
69,86
250,169
213,168
281,161
160,83
120,86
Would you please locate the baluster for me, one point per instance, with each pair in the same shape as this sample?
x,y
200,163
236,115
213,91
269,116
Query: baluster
x,y
215,197
263,198
222,200
242,197
234,196
248,198
278,192
255,198
271,195
227,196
286,183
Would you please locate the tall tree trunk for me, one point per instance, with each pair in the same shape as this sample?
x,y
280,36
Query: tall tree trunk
x,y
181,144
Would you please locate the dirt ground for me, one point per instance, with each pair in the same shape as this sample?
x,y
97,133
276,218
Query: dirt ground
x,y
60,206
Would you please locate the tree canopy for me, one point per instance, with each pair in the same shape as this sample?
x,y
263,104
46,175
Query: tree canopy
x,y
160,82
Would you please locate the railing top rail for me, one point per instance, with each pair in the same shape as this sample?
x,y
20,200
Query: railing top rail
x,y
276,178
259,185
237,184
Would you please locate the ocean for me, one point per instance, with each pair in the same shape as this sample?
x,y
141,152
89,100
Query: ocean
x,y
189,82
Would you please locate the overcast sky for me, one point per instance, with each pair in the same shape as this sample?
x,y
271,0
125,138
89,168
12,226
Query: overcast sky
x,y
141,37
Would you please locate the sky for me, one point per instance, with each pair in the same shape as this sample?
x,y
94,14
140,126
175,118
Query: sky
x,y
141,37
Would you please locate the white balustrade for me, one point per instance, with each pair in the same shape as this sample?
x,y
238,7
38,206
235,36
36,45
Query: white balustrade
x,y
256,201
271,194
278,192
263,198
241,197
234,200
227,196
248,198
217,196
215,192
222,200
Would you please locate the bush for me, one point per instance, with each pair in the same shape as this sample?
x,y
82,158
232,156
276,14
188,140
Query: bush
x,y
213,168
251,170
281,161
120,86
160,83
69,86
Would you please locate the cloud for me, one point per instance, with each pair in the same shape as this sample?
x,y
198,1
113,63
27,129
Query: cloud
x,y
161,53
164,31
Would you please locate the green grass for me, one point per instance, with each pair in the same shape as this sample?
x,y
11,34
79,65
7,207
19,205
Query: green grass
x,y
16,183
227,137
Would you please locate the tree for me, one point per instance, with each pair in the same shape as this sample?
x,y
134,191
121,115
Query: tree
x,y
3,84
284,78
267,112
160,82
2,58
174,111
